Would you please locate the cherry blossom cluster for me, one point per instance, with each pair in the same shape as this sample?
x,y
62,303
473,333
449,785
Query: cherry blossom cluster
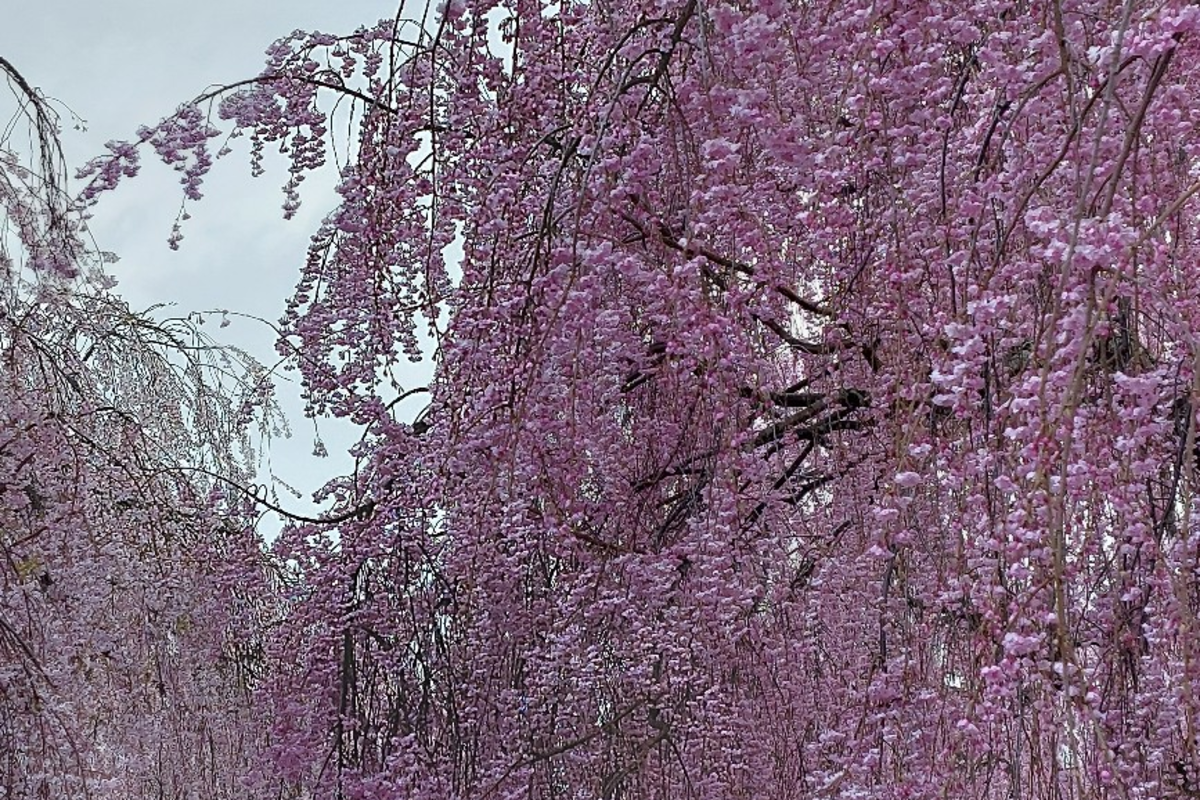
x,y
813,409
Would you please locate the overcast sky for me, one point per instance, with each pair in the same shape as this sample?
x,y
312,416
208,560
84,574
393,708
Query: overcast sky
x,y
119,64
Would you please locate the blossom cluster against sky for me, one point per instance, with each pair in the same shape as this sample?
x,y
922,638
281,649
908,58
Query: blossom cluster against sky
x,y
115,65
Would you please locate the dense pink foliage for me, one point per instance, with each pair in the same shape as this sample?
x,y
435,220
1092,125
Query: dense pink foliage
x,y
813,410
